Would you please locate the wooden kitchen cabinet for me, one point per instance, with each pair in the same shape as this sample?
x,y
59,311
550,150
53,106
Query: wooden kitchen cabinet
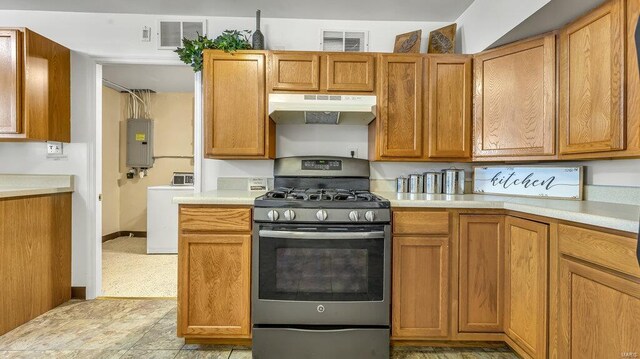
x,y
449,106
35,256
420,276
214,273
398,132
321,72
515,101
599,294
481,274
526,283
592,82
237,125
35,90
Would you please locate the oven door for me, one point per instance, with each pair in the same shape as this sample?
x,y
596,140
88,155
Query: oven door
x,y
321,275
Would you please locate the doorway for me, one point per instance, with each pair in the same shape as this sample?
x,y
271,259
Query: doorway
x,y
147,135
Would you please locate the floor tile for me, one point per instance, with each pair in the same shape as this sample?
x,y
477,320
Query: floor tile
x,y
241,354
63,354
162,335
129,309
203,354
87,334
171,316
150,354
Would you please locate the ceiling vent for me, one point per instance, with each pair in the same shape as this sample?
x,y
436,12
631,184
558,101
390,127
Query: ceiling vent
x,y
171,32
346,41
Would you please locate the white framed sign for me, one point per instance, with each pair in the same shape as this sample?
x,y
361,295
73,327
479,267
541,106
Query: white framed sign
x,y
532,181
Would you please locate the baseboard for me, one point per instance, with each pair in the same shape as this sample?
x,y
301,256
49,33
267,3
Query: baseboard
x,y
123,234
79,293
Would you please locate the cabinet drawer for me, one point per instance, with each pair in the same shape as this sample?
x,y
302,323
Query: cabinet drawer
x,y
420,222
213,219
608,250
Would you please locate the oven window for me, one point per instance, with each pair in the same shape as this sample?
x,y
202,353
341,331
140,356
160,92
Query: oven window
x,y
321,270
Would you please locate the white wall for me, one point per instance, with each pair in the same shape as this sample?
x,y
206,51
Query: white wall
x,y
485,21
30,158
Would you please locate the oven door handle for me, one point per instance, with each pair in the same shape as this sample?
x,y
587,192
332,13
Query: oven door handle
x,y
319,235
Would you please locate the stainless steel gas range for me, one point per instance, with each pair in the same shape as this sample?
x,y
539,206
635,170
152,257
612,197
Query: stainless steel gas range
x,y
321,263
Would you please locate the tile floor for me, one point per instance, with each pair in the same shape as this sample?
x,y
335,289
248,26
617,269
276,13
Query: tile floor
x,y
131,328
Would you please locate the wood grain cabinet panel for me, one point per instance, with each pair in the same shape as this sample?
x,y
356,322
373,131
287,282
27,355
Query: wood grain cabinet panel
x,y
295,71
10,81
420,222
526,271
592,86
35,257
236,122
35,91
599,313
633,82
420,294
449,106
400,122
350,72
214,285
481,274
514,99
214,219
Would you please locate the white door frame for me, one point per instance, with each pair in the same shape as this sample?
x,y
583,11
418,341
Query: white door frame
x,y
197,149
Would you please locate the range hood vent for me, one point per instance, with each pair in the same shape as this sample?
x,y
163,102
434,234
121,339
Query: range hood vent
x,y
322,109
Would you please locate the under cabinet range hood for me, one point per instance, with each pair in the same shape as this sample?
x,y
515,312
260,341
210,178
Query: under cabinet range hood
x,y
322,109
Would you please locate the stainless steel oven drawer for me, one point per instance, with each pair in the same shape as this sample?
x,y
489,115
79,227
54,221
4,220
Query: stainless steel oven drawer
x,y
289,343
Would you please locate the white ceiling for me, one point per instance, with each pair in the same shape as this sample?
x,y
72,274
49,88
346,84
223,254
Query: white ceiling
x,y
401,10
159,78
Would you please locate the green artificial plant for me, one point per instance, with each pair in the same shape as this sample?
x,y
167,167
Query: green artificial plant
x,y
229,41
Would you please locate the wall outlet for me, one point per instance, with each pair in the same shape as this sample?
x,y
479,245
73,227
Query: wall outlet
x,y
352,152
54,148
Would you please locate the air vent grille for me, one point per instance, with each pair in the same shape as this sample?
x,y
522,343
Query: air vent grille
x,y
344,41
171,32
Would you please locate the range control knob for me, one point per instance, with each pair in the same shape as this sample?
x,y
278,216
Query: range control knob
x,y
354,216
289,215
321,215
273,215
370,216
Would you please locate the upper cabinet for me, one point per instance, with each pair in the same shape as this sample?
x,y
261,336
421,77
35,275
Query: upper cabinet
x,y
449,107
592,81
399,127
237,125
514,99
322,72
35,87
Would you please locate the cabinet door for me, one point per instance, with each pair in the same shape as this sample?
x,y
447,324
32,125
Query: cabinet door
x,y
420,294
295,71
234,105
400,118
10,81
481,274
526,244
449,106
214,285
592,69
514,100
599,313
350,72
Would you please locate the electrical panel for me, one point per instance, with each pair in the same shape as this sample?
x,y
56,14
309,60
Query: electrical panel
x,y
139,143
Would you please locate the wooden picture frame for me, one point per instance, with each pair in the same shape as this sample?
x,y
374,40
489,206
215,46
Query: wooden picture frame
x,y
408,42
443,40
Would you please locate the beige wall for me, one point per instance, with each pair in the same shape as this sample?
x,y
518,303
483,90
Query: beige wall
x,y
172,115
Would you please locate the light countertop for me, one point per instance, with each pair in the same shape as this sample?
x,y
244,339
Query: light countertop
x,y
621,217
15,185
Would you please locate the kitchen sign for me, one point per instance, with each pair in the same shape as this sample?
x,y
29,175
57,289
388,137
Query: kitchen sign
x,y
548,182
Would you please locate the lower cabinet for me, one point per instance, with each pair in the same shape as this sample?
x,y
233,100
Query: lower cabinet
x,y
214,273
481,274
526,273
420,293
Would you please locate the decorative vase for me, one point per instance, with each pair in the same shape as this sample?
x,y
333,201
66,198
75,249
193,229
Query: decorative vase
x,y
258,38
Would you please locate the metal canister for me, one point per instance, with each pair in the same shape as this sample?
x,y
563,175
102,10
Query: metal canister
x,y
453,181
402,185
416,183
433,182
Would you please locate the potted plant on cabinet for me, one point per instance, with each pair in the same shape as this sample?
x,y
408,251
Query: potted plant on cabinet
x,y
228,41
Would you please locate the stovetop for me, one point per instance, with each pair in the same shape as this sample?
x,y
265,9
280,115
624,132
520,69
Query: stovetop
x,y
320,198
